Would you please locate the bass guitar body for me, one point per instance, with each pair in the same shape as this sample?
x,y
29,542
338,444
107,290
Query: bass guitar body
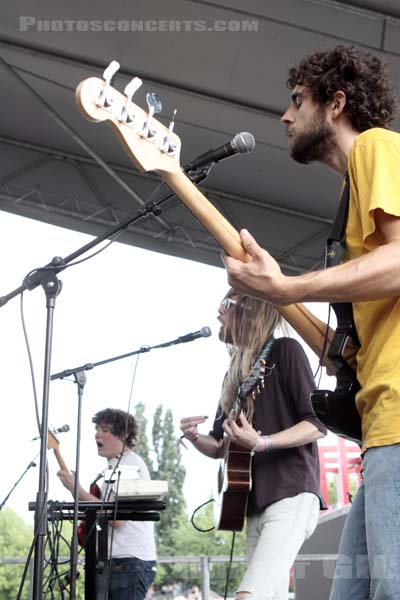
x,y
81,529
337,409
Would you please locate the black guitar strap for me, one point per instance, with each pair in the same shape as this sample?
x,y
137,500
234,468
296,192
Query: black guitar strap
x,y
336,243
334,250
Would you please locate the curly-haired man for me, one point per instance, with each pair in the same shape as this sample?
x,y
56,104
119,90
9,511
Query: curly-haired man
x,y
342,105
132,553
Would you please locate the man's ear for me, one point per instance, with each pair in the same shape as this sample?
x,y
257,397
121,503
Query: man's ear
x,y
337,104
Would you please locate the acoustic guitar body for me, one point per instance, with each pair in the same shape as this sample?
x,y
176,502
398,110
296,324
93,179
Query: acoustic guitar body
x,y
234,485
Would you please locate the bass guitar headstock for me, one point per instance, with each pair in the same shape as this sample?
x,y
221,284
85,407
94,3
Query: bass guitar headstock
x,y
149,144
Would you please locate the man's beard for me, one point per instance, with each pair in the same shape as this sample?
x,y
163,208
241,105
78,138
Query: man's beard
x,y
313,145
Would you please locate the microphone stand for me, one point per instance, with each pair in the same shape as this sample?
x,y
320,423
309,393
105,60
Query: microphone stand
x,y
47,278
31,464
80,379
89,366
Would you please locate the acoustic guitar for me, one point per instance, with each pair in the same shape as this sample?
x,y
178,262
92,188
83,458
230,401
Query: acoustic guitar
x,y
234,474
153,147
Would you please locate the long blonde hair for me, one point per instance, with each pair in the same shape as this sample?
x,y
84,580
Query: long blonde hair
x,y
253,323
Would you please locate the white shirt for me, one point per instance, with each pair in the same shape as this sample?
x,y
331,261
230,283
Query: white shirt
x,y
132,538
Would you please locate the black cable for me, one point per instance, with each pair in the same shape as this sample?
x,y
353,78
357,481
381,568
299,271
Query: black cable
x,y
32,371
323,350
112,538
51,268
108,489
28,559
229,565
193,515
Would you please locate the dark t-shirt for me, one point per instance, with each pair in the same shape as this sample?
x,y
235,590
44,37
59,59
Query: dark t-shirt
x,y
284,402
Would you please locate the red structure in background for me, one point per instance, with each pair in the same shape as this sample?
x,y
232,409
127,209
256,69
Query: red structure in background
x,y
343,459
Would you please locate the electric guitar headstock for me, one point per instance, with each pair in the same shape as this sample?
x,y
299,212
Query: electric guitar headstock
x,y
54,444
150,145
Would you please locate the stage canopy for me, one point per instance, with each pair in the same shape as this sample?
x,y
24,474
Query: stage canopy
x,y
222,64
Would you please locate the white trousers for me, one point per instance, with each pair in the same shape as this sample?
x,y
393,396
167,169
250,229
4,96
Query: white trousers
x,y
274,538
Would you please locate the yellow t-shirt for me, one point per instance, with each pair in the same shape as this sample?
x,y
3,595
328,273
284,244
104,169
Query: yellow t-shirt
x,y
374,169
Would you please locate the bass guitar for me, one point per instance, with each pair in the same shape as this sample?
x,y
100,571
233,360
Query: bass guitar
x,y
153,147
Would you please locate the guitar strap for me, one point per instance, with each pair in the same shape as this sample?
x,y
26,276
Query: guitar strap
x,y
266,349
334,250
248,383
336,243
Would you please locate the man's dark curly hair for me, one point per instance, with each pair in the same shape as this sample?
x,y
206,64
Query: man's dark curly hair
x,y
370,98
121,424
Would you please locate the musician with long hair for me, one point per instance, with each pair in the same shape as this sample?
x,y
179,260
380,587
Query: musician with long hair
x,y
343,103
280,428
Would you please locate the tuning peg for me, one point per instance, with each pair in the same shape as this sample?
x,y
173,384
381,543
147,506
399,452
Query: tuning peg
x,y
108,76
169,145
132,87
129,91
154,103
155,107
111,70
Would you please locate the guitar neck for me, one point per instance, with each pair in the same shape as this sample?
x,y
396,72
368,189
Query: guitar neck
x,y
215,223
313,331
60,460
310,328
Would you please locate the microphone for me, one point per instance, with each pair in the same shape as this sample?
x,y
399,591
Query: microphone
x,y
62,429
189,337
242,143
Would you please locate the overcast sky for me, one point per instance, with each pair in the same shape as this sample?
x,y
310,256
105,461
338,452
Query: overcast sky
x,y
110,305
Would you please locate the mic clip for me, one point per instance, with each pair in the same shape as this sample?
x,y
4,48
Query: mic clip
x,y
199,174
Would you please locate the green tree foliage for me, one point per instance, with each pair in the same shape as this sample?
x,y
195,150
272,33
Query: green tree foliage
x,y
332,491
15,540
142,446
176,536
168,467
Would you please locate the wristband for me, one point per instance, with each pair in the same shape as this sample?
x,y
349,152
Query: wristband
x,y
268,443
263,444
191,439
257,445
